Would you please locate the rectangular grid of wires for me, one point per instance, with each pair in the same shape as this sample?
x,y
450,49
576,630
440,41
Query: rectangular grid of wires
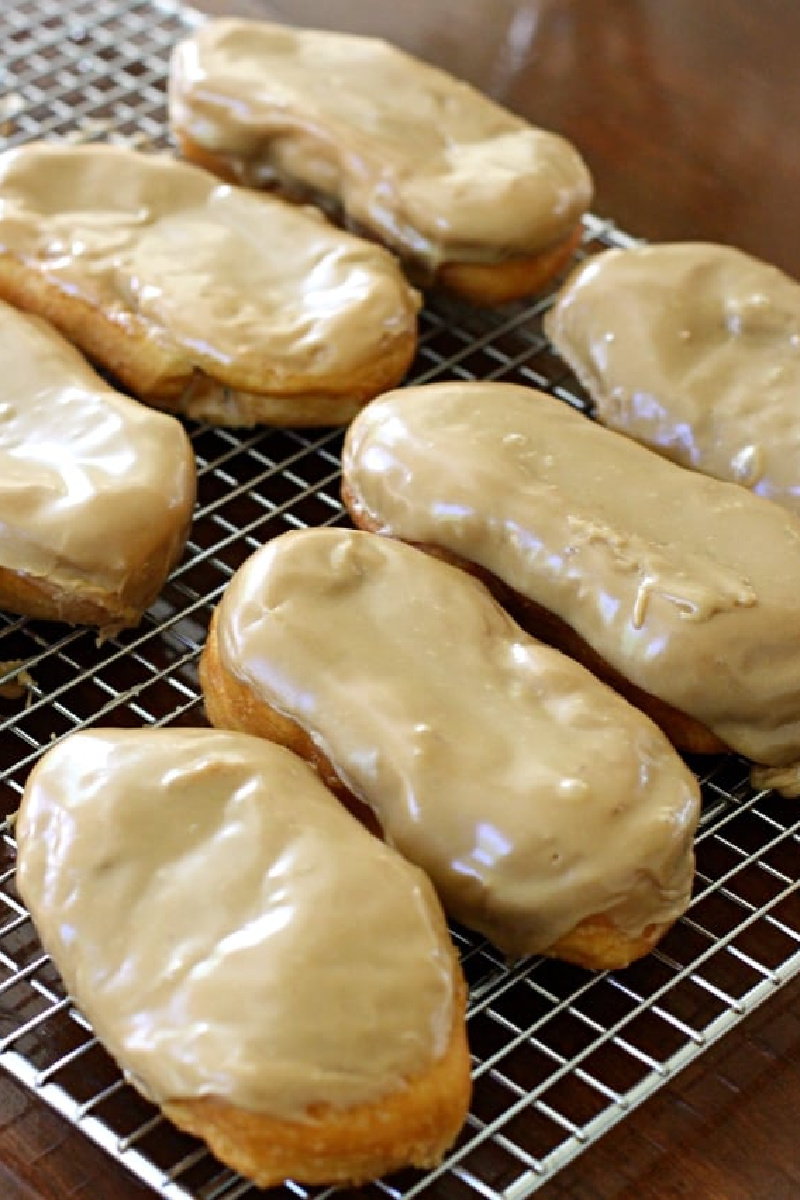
x,y
559,1054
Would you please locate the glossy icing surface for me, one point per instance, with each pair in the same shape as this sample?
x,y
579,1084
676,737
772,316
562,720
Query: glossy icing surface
x,y
416,158
693,349
92,485
244,287
530,793
226,926
687,586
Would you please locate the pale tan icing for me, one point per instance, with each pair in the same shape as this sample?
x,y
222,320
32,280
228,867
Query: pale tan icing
x,y
530,793
240,285
411,155
93,486
228,929
688,587
693,349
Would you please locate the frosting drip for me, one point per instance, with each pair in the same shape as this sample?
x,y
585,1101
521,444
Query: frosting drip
x,y
411,155
694,350
687,586
226,926
696,586
530,793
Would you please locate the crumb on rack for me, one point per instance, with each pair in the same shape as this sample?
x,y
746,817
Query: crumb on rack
x,y
11,105
22,683
88,128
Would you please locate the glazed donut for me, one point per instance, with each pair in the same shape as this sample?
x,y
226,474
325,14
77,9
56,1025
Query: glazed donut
x,y
694,351
471,197
680,590
96,491
207,300
277,980
550,815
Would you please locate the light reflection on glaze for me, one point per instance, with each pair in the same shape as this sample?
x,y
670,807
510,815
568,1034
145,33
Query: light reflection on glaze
x,y
459,731
91,483
705,360
226,926
242,284
414,157
687,586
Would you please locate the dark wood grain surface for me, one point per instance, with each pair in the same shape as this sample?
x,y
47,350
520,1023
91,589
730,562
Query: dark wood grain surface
x,y
688,112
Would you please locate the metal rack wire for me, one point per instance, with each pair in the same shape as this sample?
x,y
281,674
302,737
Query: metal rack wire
x,y
560,1055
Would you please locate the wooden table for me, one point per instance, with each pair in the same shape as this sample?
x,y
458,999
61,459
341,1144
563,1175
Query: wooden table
x,y
688,112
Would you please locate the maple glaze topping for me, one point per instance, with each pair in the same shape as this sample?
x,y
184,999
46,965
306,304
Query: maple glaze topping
x,y
92,484
531,794
687,586
693,349
243,286
416,158
226,926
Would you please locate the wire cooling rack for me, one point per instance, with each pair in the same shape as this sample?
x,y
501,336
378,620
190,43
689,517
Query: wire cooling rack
x,y
560,1055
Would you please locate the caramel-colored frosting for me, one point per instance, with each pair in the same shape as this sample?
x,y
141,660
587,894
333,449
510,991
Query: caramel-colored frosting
x,y
245,287
529,792
687,586
93,486
412,156
227,927
694,350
